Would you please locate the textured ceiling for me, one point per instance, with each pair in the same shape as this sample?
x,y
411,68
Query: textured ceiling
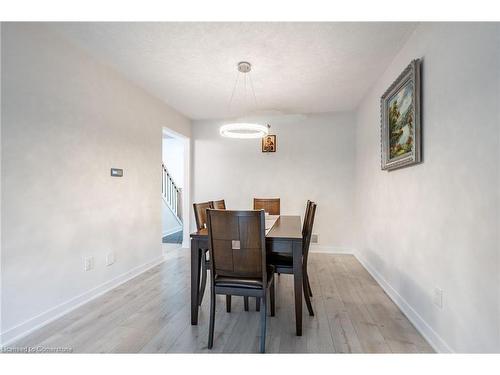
x,y
297,67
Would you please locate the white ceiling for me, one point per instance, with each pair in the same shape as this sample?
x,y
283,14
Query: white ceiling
x,y
297,67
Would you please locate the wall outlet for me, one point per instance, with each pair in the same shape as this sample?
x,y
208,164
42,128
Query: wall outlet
x,y
437,298
110,258
314,238
88,263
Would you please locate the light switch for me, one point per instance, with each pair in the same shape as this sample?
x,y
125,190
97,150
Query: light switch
x,y
116,172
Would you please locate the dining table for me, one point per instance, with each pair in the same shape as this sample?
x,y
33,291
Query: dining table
x,y
283,236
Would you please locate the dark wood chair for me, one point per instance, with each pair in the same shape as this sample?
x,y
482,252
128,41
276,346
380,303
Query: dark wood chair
x,y
200,216
201,222
220,204
284,263
304,228
269,205
272,207
237,246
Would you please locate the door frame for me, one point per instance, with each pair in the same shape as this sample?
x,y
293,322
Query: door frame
x,y
186,191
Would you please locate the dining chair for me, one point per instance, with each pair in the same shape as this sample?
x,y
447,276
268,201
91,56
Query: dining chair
x,y
272,207
269,205
237,247
220,204
284,263
200,216
306,238
304,228
306,215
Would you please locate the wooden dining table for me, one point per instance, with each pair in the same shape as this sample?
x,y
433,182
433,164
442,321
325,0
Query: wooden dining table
x,y
283,235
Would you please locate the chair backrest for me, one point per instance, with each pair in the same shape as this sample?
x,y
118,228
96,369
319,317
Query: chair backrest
x,y
200,213
306,216
220,204
269,205
236,242
306,236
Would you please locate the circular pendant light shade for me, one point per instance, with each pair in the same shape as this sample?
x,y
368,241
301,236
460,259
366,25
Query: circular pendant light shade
x,y
243,130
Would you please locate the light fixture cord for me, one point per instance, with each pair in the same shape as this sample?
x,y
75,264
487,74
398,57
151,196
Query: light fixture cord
x,y
253,91
245,88
234,90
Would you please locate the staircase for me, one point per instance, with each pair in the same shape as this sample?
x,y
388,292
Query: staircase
x,y
171,194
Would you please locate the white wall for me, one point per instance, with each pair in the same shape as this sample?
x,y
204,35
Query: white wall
x,y
314,160
66,120
436,224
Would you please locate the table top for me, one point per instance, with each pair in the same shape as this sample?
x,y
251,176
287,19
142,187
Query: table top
x,y
270,220
284,227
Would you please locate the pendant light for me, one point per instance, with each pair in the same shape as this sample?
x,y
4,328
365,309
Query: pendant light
x,y
245,130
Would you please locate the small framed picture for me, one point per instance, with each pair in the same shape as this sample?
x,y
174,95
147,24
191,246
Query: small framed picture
x,y
269,143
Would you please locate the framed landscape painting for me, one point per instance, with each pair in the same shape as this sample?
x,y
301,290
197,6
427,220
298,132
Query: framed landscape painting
x,y
400,127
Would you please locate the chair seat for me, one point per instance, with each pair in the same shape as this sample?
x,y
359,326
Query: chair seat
x,y
243,282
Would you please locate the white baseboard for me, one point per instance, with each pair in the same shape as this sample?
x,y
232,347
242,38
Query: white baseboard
x,y
170,231
315,248
432,337
56,312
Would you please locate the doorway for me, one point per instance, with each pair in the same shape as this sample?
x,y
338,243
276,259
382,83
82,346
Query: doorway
x,y
174,190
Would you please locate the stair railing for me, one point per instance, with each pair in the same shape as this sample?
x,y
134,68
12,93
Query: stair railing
x,y
171,193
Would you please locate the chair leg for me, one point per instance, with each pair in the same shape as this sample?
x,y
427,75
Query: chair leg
x,y
272,299
307,297
309,286
245,303
203,285
263,317
257,304
212,319
228,303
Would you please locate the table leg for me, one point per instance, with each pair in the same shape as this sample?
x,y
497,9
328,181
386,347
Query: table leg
x,y
297,284
195,279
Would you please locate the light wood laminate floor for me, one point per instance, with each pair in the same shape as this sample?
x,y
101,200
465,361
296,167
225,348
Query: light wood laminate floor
x,y
151,314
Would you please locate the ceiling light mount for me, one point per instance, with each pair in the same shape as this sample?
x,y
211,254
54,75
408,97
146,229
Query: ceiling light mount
x,y
244,67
